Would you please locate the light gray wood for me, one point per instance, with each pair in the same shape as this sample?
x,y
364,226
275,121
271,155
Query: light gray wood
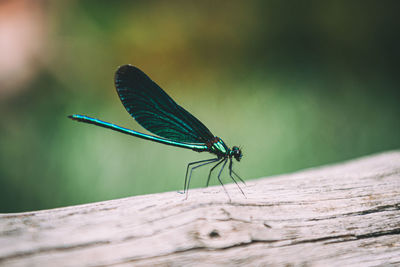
x,y
341,215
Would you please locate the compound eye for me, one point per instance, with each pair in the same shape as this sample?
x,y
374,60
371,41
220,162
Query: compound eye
x,y
236,153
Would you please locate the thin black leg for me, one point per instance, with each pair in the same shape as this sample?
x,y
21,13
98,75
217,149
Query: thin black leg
x,y
209,174
238,177
191,170
230,174
187,169
219,179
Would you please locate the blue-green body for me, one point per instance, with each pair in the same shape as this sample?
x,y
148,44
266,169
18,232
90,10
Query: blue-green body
x,y
83,118
218,147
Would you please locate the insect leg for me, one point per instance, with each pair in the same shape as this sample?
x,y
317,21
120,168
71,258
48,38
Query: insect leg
x,y
230,174
195,167
238,177
209,174
187,170
219,179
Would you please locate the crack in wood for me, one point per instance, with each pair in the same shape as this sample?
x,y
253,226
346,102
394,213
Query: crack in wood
x,y
52,249
360,213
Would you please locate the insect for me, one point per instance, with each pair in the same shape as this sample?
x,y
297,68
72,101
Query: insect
x,y
157,112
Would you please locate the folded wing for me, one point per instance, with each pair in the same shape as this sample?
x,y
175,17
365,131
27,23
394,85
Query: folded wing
x,y
157,112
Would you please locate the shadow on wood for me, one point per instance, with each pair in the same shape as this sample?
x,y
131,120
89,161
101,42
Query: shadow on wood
x,y
345,214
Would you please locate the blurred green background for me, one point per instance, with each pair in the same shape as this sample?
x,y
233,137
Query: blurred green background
x,y
297,84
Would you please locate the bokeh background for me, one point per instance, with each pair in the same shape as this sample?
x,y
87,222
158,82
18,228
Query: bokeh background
x,y
296,83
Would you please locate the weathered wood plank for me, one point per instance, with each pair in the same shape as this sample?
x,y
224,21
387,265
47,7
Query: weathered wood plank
x,y
346,214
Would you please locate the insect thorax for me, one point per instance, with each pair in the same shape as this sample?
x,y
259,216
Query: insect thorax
x,y
218,147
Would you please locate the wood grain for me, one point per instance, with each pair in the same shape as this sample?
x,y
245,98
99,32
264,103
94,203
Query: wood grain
x,y
341,215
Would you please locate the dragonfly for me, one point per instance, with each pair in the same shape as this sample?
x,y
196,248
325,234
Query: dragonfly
x,y
172,125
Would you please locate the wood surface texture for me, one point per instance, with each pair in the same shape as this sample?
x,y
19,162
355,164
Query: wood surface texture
x,y
340,215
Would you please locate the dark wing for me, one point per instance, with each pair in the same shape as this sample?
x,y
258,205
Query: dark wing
x,y
152,108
